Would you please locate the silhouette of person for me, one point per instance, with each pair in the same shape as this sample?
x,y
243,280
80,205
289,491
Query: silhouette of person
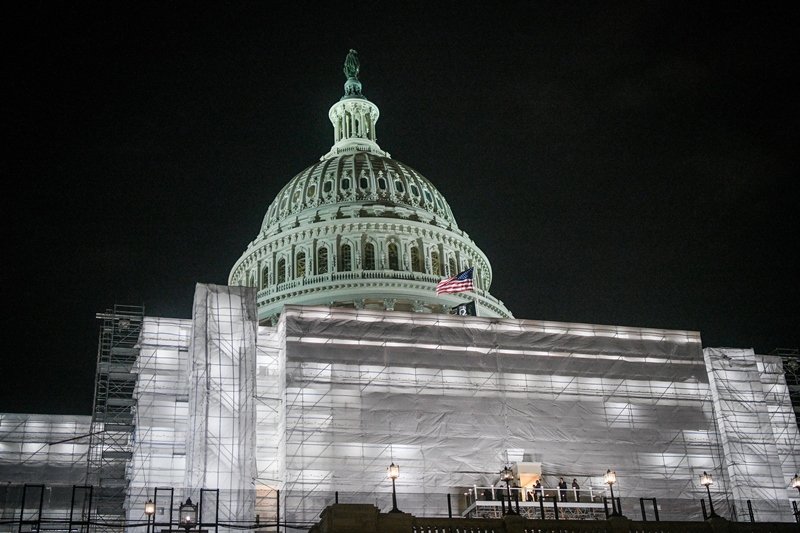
x,y
577,490
562,489
538,492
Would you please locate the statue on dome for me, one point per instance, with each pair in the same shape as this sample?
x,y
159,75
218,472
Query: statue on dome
x,y
351,65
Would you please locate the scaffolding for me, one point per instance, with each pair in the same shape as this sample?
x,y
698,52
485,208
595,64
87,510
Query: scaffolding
x,y
162,415
451,399
40,449
112,427
791,368
320,404
759,439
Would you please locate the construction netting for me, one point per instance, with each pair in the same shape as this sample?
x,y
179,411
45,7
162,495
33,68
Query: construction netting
x,y
451,399
230,413
49,450
759,436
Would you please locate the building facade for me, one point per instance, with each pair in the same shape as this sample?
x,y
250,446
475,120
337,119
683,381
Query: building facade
x,y
329,356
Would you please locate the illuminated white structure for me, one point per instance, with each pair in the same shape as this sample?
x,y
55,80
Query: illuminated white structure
x,y
330,357
360,229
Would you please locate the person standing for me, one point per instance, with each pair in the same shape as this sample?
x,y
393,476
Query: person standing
x,y
562,489
576,489
538,492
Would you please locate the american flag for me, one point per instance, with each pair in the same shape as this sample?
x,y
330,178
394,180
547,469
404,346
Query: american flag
x,y
459,283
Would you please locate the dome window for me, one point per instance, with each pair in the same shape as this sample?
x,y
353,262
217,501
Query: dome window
x,y
394,259
264,277
322,260
436,265
382,183
414,190
300,265
428,197
345,184
281,271
296,196
398,186
369,256
438,203
311,190
327,187
416,260
346,259
363,182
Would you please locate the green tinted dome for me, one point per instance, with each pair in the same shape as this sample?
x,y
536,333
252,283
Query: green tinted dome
x,y
361,177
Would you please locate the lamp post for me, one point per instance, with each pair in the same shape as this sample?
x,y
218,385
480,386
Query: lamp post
x,y
149,511
508,475
187,514
610,478
394,473
707,480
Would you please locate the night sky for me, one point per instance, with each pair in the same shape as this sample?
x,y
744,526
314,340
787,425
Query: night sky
x,y
632,164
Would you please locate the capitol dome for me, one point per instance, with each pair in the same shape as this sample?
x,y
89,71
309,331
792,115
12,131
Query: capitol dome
x,y
360,229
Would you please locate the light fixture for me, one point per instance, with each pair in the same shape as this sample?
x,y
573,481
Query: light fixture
x,y
507,474
187,514
610,478
149,511
707,481
394,472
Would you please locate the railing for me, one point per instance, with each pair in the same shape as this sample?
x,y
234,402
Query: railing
x,y
271,293
494,492
344,518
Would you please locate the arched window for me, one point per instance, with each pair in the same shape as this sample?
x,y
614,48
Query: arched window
x,y
322,260
394,259
436,265
251,280
264,277
281,270
416,260
453,270
346,260
369,256
300,265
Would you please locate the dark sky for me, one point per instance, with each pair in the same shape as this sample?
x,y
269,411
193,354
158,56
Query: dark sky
x,y
631,164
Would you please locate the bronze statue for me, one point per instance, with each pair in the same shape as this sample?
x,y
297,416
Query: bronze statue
x,y
351,65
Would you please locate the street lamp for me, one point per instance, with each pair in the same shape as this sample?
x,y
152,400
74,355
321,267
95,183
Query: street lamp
x,y
707,480
610,478
149,511
394,473
187,514
508,475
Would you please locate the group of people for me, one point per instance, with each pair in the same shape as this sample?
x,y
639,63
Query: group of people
x,y
538,490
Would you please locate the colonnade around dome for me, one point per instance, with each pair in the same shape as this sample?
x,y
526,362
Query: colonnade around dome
x,y
373,260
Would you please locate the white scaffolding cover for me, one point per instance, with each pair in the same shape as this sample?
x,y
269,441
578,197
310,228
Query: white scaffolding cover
x,y
328,398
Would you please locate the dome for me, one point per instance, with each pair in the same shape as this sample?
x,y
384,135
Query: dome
x,y
360,229
361,178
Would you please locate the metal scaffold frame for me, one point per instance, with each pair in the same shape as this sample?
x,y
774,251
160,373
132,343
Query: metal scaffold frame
x,y
112,427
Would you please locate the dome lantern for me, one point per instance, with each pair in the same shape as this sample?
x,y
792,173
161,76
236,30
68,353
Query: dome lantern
x,y
353,116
